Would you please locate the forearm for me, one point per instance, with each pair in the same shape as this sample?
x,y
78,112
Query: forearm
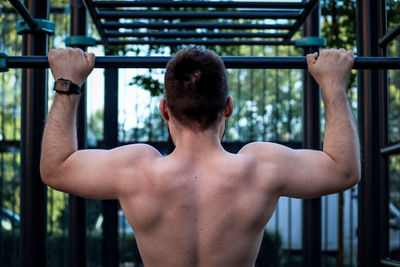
x,y
59,137
341,137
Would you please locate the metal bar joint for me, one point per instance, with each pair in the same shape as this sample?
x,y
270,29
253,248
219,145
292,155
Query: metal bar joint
x,y
310,41
42,25
393,33
3,62
80,40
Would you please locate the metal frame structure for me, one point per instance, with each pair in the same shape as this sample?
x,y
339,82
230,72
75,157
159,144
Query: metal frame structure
x,y
24,13
373,213
372,41
33,112
146,14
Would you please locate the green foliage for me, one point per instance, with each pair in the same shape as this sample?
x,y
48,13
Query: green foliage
x,y
96,125
339,25
393,18
149,83
10,125
57,208
394,180
59,2
393,13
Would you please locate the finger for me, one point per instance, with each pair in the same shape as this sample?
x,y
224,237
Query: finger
x,y
350,53
315,54
51,53
77,49
324,52
91,58
312,58
336,52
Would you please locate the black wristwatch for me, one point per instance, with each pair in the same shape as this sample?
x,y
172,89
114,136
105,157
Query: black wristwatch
x,y
66,87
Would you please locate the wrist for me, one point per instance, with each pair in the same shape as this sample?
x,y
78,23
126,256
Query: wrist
x,y
65,86
334,95
72,98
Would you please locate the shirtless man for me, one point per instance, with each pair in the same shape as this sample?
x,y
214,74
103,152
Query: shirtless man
x,y
200,205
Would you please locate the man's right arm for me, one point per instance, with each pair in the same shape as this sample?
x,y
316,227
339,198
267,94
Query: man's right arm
x,y
98,174
310,173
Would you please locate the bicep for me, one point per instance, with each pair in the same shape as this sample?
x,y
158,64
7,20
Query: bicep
x,y
98,174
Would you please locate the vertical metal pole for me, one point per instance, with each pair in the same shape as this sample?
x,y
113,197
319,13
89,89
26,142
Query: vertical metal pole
x,y
312,140
383,139
110,207
290,112
77,205
239,104
264,93
33,191
276,111
250,113
372,118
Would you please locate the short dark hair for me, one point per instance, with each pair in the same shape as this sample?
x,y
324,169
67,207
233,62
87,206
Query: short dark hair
x,y
195,87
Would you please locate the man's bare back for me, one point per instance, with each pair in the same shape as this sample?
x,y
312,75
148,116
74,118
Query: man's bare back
x,y
199,210
200,205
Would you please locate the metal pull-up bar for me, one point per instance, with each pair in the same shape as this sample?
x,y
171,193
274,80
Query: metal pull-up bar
x,y
199,15
194,25
230,62
201,3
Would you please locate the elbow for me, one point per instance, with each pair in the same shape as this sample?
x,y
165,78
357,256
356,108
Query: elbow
x,y
353,176
45,173
48,175
354,179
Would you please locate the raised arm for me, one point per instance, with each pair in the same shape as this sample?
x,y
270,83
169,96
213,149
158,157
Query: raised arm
x,y
309,173
88,173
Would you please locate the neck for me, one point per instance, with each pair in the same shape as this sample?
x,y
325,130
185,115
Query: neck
x,y
188,141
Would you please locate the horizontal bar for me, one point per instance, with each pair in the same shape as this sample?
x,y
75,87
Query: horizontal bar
x,y
192,41
11,146
230,62
194,25
24,13
393,33
186,34
214,4
389,262
197,15
390,150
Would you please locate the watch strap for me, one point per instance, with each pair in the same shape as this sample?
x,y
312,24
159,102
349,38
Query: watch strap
x,y
72,89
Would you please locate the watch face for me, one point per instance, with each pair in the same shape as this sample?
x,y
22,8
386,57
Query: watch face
x,y
62,85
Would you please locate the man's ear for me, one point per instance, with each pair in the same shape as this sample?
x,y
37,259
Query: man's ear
x,y
228,108
164,109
